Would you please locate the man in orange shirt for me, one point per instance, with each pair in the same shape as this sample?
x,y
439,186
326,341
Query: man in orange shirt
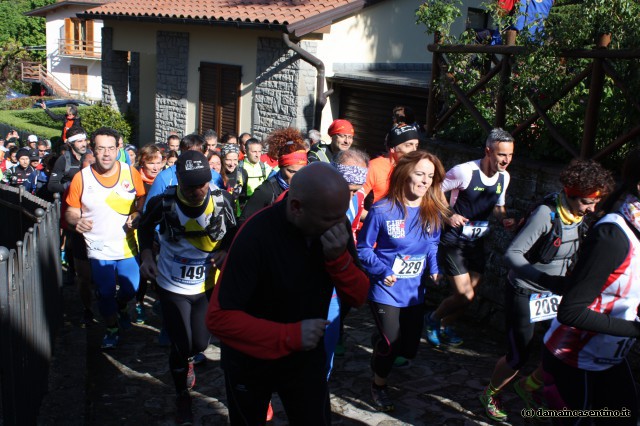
x,y
104,202
400,141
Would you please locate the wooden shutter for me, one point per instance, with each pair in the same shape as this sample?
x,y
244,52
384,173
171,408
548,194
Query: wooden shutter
x,y
68,36
219,105
89,37
229,99
207,105
79,78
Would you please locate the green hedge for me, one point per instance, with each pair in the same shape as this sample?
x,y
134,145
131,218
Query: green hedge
x,y
36,121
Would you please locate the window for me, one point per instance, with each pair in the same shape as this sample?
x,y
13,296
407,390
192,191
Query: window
x,y
219,105
78,78
477,19
78,37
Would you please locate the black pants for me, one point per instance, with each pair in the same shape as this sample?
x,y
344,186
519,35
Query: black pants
x,y
300,381
518,326
575,388
184,319
399,334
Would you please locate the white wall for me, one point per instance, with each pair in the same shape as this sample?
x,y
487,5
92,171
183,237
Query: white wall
x,y
60,66
385,33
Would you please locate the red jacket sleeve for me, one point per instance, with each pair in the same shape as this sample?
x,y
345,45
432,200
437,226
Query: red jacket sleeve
x,y
266,340
352,284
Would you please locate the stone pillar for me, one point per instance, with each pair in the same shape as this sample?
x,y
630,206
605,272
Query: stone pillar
x,y
115,73
276,89
134,89
172,50
307,90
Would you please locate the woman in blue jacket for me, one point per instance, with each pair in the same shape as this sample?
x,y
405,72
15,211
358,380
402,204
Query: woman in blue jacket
x,y
397,244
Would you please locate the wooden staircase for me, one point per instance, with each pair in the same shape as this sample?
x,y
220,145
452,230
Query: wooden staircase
x,y
35,72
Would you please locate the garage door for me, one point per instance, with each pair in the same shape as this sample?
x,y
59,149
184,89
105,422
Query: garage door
x,y
370,108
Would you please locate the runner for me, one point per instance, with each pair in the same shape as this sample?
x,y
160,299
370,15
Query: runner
x,y
546,247
271,317
189,247
397,244
478,188
341,132
584,359
64,169
291,157
104,203
150,164
234,178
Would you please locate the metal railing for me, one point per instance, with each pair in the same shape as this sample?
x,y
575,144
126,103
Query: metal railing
x,y
30,300
80,48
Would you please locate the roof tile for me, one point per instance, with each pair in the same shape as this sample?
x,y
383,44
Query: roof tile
x,y
265,11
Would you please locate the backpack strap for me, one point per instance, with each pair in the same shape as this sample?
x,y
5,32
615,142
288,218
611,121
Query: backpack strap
x,y
222,219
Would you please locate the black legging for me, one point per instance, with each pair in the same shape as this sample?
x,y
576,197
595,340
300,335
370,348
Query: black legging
x,y
575,388
184,319
400,330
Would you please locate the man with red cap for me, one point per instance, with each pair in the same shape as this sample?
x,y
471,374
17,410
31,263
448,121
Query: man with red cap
x,y
341,132
400,141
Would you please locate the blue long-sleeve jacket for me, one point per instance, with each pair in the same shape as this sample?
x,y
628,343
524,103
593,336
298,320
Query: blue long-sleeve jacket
x,y
390,244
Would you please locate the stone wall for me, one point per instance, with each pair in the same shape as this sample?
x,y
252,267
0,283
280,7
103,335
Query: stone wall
x,y
530,181
276,90
172,50
115,73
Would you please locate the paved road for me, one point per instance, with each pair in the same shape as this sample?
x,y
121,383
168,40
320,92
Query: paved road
x,y
132,385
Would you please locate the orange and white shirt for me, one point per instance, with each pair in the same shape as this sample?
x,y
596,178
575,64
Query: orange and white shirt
x,y
108,202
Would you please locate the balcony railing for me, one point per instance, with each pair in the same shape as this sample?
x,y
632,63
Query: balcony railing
x,y
80,48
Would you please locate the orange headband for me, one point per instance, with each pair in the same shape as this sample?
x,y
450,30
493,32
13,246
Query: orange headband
x,y
575,192
297,158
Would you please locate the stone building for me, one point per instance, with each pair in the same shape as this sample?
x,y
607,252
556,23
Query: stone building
x,y
256,66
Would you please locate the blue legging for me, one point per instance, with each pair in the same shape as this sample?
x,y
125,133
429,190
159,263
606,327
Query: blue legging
x,y
332,332
105,274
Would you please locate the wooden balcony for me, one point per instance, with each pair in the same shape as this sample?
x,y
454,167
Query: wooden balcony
x,y
80,48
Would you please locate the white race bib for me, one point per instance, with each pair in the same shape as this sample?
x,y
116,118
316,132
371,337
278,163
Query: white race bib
x,y
543,306
407,266
188,271
474,230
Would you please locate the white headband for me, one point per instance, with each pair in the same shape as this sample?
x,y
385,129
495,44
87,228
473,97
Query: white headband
x,y
79,136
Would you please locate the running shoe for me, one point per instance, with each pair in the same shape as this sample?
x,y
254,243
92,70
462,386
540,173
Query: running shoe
x,y
401,362
493,407
87,318
433,330
124,320
199,358
110,339
191,376
269,412
532,400
449,337
184,415
381,399
141,313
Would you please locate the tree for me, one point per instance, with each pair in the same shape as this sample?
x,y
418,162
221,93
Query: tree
x,y
18,31
15,26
